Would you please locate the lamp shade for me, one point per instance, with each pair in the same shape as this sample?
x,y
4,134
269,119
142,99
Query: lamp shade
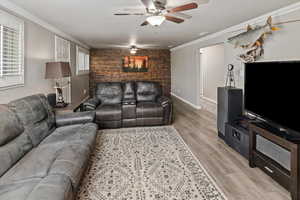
x,y
56,70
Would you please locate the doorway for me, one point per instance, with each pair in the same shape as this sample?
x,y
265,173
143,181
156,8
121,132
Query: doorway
x,y
212,75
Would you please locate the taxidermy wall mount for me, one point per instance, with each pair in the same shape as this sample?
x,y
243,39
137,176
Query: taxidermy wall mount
x,y
252,41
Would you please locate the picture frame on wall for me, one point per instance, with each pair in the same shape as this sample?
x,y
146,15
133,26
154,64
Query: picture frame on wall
x,y
135,64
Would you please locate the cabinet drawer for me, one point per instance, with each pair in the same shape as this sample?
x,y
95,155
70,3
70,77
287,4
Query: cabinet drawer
x,y
273,169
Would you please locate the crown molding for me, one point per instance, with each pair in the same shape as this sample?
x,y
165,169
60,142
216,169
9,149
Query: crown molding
x,y
262,18
6,4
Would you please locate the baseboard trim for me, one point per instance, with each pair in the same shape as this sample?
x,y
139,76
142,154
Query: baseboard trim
x,y
209,105
186,101
208,99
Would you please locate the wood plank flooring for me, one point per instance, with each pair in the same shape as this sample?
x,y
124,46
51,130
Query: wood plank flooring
x,y
229,169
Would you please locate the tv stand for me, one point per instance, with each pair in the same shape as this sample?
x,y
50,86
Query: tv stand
x,y
289,179
280,132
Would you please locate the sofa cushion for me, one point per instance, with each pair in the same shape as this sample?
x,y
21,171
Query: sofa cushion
x,y
18,190
51,187
147,91
109,93
76,134
13,151
34,164
149,109
10,126
109,112
35,115
71,161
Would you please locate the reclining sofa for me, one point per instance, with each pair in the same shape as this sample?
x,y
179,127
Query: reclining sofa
x,y
129,104
42,156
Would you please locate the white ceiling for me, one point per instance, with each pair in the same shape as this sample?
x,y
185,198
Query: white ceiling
x,y
93,22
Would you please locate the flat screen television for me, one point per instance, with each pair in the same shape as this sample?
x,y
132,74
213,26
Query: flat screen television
x,y
272,92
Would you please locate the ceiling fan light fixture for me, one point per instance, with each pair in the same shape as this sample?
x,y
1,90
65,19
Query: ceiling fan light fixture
x,y
156,20
133,50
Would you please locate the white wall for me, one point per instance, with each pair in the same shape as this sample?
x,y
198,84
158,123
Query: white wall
x,y
39,49
283,45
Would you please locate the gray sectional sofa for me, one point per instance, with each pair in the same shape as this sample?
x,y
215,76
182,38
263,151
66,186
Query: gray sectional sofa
x,y
42,156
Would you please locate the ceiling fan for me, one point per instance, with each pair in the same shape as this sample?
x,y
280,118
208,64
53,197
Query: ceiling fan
x,y
157,12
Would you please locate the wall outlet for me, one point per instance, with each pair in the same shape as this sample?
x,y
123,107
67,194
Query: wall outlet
x,y
84,91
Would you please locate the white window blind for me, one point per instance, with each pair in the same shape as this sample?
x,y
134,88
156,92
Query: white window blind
x,y
11,51
63,54
62,50
83,61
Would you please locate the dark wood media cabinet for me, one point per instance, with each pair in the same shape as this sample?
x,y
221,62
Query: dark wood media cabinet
x,y
289,179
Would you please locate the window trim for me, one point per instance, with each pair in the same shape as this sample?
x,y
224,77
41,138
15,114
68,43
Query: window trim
x,y
69,49
87,53
21,81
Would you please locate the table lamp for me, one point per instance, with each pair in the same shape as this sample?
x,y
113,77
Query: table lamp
x,y
57,71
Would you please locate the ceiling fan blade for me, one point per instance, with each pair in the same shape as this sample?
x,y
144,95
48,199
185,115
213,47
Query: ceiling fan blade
x,y
181,15
124,14
189,6
174,19
145,23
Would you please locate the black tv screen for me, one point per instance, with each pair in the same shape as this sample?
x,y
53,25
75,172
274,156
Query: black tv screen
x,y
272,91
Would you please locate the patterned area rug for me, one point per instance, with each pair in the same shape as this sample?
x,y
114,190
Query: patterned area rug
x,y
150,163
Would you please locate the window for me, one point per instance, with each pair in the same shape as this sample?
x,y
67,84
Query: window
x,y
62,50
11,51
63,54
83,61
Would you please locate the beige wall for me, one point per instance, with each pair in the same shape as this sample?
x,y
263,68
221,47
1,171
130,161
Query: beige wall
x,y
39,49
283,45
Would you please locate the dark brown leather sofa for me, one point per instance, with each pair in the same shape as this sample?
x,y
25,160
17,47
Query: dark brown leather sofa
x,y
129,104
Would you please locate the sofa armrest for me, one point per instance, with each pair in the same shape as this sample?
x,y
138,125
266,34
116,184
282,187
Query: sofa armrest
x,y
91,104
164,101
74,118
167,105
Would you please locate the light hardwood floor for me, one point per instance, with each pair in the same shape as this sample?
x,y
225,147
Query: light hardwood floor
x,y
229,169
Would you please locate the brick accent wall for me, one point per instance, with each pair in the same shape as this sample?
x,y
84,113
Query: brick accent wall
x,y
106,65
